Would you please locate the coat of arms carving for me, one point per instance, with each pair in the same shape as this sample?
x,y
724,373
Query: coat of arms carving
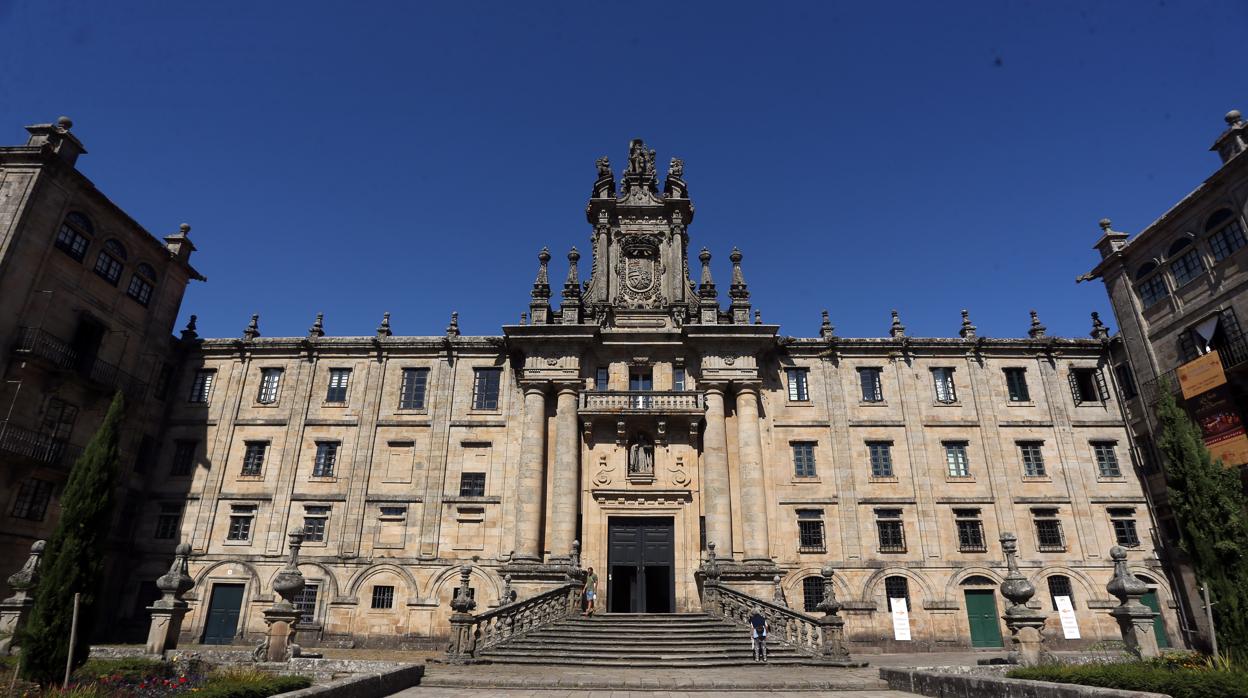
x,y
640,271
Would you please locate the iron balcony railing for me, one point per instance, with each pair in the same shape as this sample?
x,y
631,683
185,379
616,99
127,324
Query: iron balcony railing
x,y
642,401
20,441
33,341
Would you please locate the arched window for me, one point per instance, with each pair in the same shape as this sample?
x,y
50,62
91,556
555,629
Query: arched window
x,y
1185,261
897,587
1151,290
1226,234
812,593
108,263
142,281
977,580
74,235
1059,585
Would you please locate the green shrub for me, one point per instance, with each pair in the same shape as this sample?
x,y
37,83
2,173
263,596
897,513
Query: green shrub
x,y
228,686
1145,676
127,668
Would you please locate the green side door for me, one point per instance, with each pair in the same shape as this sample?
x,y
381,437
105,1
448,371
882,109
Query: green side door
x,y
981,612
1159,625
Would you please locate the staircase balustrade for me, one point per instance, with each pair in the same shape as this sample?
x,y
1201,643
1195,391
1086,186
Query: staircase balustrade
x,y
471,634
798,630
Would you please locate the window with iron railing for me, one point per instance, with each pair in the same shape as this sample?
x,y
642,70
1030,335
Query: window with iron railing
x,y
1049,536
810,531
970,531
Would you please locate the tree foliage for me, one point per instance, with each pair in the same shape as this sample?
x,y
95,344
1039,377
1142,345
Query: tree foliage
x,y
1212,515
74,558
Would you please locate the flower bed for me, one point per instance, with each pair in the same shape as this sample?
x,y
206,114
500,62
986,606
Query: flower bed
x,y
147,678
1181,675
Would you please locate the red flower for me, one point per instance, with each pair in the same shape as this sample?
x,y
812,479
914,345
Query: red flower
x,y
182,680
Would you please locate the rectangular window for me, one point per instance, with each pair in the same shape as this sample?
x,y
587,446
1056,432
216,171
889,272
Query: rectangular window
x,y
139,289
383,597
270,383
942,380
241,517
881,453
253,458
1059,585
183,457
326,457
59,418
812,593
472,485
32,500
640,378
1049,536
1224,242
305,602
201,386
1033,458
108,267
1087,385
1123,521
1016,384
970,531
71,242
798,391
1187,267
1106,459
338,380
168,521
393,513
1153,290
891,530
678,378
803,458
1126,381
412,391
897,587
485,385
810,531
956,460
600,378
872,386
315,520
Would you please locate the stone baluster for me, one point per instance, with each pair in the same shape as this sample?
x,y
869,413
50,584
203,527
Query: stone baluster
x,y
831,643
715,483
565,474
168,611
1135,620
531,485
1026,626
750,457
282,617
15,609
463,638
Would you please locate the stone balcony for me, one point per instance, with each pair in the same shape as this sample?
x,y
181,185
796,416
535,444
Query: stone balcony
x,y
657,402
40,344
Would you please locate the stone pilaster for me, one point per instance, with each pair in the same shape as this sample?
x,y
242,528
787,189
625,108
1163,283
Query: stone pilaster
x,y
531,481
565,474
750,457
717,501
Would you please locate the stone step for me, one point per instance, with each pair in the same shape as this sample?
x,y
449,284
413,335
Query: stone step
x,y
543,638
728,631
541,644
654,661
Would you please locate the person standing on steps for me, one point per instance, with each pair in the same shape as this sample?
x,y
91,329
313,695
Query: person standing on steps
x,y
759,624
591,591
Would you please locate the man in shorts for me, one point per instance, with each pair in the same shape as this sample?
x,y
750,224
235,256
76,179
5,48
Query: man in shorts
x,y
758,625
591,591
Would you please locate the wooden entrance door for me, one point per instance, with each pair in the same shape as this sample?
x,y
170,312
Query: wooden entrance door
x,y
1159,625
641,565
981,612
223,609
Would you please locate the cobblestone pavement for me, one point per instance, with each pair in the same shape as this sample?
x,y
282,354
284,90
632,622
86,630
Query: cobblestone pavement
x,y
548,693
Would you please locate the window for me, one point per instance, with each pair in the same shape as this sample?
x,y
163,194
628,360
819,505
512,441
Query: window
x,y
161,391
1151,290
270,385
1087,385
253,458
970,531
485,384
942,378
201,386
412,391
1228,235
383,597
1059,585
797,384
168,521
600,378
803,458
241,516
338,380
678,378
305,602
810,530
955,459
1106,459
472,484
315,519
1016,384
108,263
1123,521
183,457
1033,458
640,378
812,593
1187,265
393,513
1048,531
891,530
142,281
1126,381
872,388
326,456
896,587
59,418
881,453
32,500
74,235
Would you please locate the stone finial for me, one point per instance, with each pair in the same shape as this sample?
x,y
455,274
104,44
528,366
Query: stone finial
x,y
1135,620
1106,225
253,328
1016,588
575,555
289,580
23,580
604,167
897,329
452,330
829,606
1099,331
707,288
462,602
738,290
676,168
1232,118
710,568
1024,624
777,593
826,330
189,334
541,286
1037,330
317,330
968,330
524,318
572,286
509,594
65,123
1124,586
758,317
176,582
383,330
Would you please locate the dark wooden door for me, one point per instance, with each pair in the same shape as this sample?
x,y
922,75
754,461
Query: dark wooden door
x,y
981,611
641,565
223,611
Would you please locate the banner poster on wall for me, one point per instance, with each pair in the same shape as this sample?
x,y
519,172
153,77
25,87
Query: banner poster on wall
x,y
901,619
1212,407
1066,613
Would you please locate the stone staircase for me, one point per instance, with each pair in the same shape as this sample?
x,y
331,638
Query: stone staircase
x,y
673,640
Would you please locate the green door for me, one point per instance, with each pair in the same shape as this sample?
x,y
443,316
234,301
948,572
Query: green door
x,y
1159,625
223,611
981,611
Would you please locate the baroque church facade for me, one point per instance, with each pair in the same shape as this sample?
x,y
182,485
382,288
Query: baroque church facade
x,y
635,422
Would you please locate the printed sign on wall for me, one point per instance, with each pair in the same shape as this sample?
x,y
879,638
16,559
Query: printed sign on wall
x,y
901,619
1212,407
1066,612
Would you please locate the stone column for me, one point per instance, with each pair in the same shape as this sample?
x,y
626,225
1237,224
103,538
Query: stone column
x,y
715,486
15,609
532,480
565,474
750,458
168,611
1135,620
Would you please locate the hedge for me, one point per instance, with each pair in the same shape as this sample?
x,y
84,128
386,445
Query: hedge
x,y
1141,676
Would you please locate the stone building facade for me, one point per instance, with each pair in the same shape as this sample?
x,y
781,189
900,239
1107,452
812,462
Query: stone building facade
x,y
634,420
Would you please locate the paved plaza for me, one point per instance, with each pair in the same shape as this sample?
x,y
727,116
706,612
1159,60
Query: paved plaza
x,y
548,693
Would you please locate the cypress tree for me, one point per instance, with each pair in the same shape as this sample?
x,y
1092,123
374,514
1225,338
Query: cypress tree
x,y
1210,509
74,558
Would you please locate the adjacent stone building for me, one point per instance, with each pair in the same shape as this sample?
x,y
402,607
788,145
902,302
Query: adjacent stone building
x,y
634,420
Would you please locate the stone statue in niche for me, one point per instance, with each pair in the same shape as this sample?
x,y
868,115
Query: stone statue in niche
x,y
641,456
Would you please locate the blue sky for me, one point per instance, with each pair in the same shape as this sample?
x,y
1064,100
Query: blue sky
x,y
355,158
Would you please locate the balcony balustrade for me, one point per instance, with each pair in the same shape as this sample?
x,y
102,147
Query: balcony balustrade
x,y
35,342
642,402
20,441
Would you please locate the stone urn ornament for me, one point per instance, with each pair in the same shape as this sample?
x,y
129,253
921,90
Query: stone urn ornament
x,y
15,609
282,617
1026,625
1135,620
168,611
832,648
